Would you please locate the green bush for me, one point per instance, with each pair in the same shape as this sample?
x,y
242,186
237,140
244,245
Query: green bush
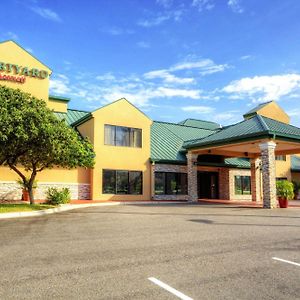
x,y
58,196
285,189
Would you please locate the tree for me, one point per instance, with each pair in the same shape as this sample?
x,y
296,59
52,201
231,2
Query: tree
x,y
33,138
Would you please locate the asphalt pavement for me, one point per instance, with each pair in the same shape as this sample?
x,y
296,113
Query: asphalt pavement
x,y
171,251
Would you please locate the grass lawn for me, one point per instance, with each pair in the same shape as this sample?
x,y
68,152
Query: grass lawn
x,y
6,208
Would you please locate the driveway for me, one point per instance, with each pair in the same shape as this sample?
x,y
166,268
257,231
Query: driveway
x,y
153,252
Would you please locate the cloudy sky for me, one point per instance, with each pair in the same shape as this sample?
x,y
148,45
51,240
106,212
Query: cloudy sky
x,y
174,59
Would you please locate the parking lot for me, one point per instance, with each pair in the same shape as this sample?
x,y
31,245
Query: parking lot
x,y
166,251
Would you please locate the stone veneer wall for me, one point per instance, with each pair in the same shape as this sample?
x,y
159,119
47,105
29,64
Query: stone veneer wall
x,y
232,174
167,168
10,190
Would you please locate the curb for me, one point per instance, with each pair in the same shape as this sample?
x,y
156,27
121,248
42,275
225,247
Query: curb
x,y
62,208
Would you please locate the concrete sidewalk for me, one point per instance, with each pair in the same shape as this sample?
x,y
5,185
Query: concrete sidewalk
x,y
61,208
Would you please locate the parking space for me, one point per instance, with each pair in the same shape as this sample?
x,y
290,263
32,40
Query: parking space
x,y
153,252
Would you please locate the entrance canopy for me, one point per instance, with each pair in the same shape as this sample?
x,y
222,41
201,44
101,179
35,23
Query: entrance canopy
x,y
256,137
243,139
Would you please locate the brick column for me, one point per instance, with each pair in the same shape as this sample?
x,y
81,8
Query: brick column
x,y
192,176
268,174
255,179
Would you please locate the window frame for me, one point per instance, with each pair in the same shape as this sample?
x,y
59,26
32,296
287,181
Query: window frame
x,y
115,175
244,191
131,136
167,185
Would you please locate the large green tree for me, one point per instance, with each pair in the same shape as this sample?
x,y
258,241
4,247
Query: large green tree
x,y
32,138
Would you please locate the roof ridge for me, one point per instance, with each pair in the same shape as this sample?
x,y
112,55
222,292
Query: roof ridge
x,y
262,122
200,120
280,122
174,134
184,125
78,110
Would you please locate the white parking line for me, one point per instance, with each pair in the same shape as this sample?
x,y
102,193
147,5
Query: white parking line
x,y
286,261
169,289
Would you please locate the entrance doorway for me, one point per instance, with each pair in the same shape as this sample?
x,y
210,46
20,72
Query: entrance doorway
x,y
208,185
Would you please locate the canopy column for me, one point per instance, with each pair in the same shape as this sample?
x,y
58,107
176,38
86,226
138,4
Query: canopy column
x,y
255,179
268,174
192,176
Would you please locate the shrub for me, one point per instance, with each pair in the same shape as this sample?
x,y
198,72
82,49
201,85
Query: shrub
x,y
285,189
58,196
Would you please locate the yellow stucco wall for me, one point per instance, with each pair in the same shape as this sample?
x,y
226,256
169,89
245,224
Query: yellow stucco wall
x,y
273,111
283,168
79,175
120,113
12,53
87,129
58,106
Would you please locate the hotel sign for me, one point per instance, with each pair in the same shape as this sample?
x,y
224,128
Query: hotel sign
x,y
16,73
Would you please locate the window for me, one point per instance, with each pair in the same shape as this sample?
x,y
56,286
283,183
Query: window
x,y
122,136
242,185
280,178
109,182
280,157
122,182
167,183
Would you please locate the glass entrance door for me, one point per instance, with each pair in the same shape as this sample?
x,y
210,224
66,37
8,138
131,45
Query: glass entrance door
x,y
208,185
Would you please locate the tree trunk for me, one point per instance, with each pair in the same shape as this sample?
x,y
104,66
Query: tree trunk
x,y
31,196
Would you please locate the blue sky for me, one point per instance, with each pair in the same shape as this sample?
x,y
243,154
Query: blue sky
x,y
204,59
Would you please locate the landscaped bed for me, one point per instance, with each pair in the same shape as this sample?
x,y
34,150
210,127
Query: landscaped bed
x,y
6,208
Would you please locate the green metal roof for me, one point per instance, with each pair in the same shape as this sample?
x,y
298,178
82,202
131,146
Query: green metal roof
x,y
251,129
295,163
238,162
167,140
200,124
59,98
72,115
256,109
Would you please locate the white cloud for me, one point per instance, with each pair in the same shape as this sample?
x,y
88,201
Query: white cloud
x,y
47,13
165,3
29,50
235,6
167,77
59,85
204,66
203,4
174,15
264,88
106,77
117,31
227,117
199,109
11,35
143,44
245,57
294,112
170,92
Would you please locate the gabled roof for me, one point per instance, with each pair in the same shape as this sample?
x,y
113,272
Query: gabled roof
x,y
250,129
200,124
295,163
72,116
14,42
167,140
256,109
59,98
122,99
